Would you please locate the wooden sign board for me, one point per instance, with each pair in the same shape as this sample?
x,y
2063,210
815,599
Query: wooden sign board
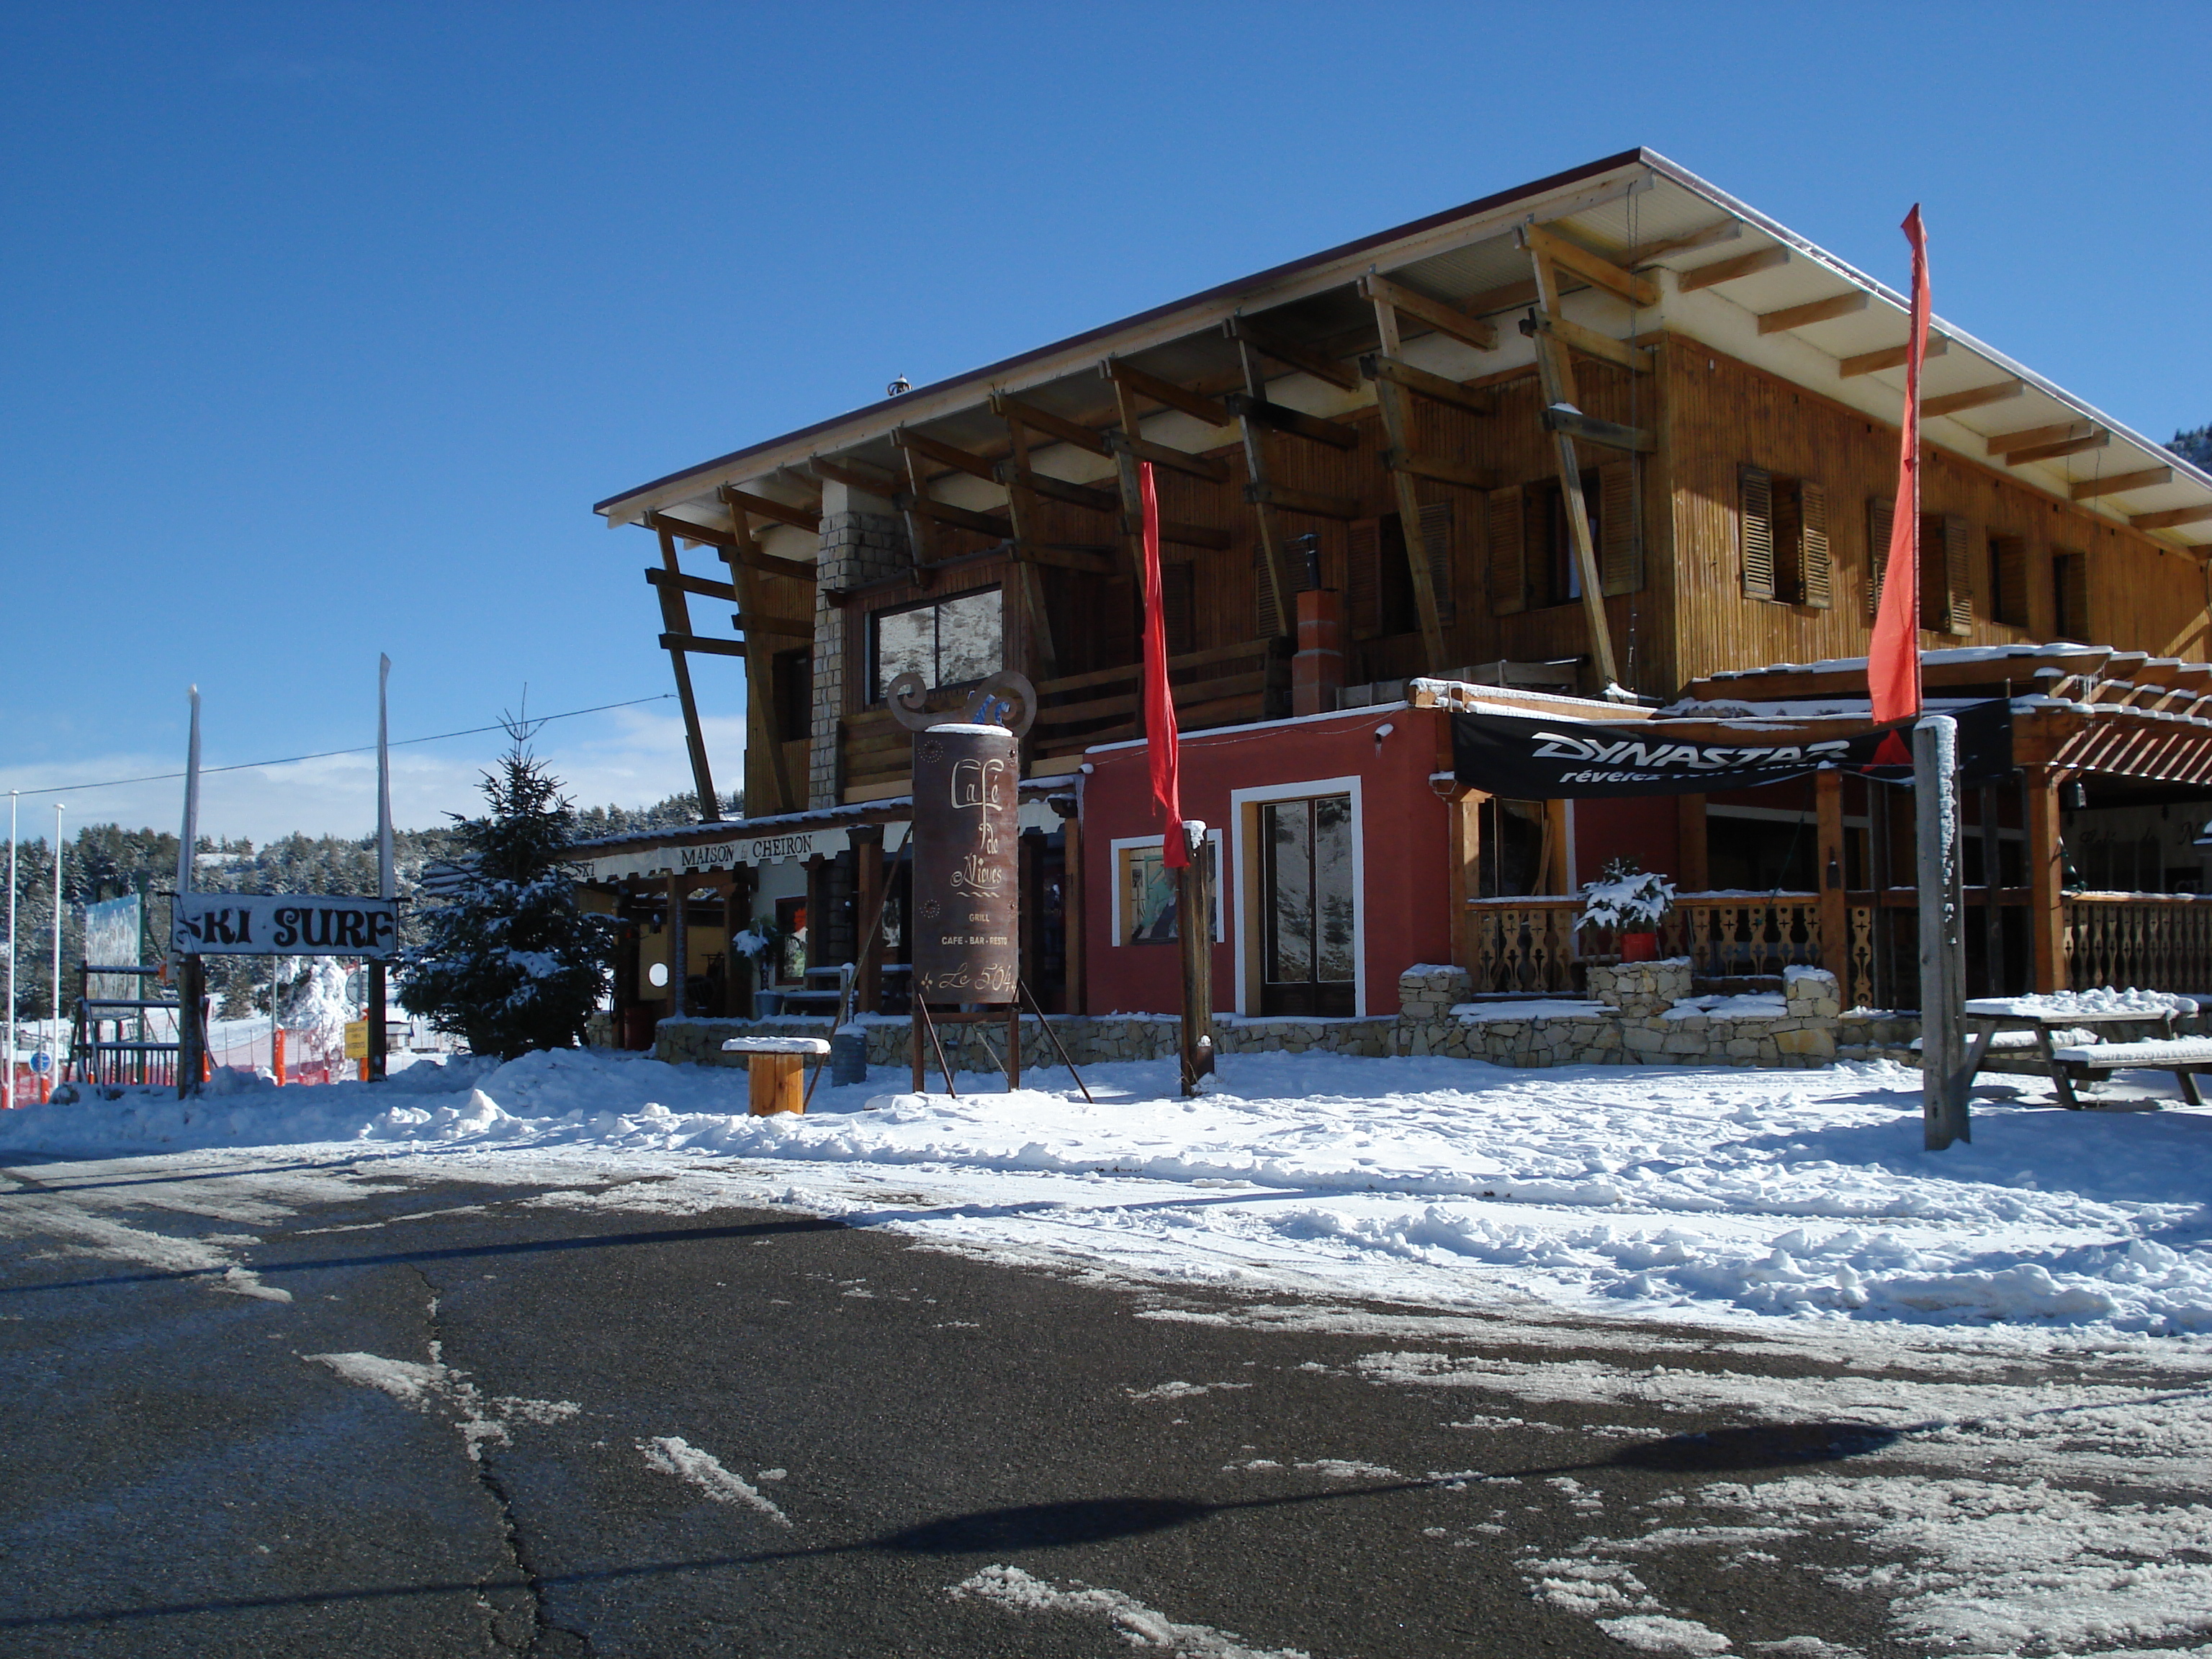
x,y
285,925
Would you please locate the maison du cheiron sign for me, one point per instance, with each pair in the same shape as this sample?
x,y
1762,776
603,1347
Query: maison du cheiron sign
x,y
1526,759
726,854
285,925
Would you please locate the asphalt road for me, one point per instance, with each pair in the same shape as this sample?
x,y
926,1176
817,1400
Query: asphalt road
x,y
182,1474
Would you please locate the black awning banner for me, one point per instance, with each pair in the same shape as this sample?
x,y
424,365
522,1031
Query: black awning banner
x,y
1526,759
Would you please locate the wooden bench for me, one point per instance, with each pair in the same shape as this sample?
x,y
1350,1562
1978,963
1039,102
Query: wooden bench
x,y
2183,1056
776,1068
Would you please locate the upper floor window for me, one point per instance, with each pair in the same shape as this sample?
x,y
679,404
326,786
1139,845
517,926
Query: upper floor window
x,y
948,641
1783,527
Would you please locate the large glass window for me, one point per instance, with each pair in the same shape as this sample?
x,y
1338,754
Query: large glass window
x,y
949,642
1309,899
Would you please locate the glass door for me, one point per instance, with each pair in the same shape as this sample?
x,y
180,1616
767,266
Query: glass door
x,y
1308,894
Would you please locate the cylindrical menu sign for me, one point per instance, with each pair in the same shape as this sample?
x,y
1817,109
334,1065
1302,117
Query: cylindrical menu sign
x,y
967,940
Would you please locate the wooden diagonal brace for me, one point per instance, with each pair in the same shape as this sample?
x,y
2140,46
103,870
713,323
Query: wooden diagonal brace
x,y
676,627
1589,428
1557,375
1390,394
760,681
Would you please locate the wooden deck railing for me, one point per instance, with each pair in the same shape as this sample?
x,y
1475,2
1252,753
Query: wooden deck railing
x,y
2150,941
1531,944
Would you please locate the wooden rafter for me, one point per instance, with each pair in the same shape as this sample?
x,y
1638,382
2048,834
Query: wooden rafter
x,y
1640,292
1043,420
1556,375
2171,517
1589,428
2005,443
1166,393
1144,449
1269,341
1873,363
1437,314
2052,452
1379,366
763,506
1727,271
676,638
855,475
1954,403
1587,341
944,454
1814,311
682,645
760,674
2119,483
766,564
1280,417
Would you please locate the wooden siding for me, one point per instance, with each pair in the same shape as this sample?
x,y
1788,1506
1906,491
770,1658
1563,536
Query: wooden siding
x,y
1728,416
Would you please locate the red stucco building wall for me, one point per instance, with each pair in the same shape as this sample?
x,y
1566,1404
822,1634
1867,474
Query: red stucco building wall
x,y
1403,885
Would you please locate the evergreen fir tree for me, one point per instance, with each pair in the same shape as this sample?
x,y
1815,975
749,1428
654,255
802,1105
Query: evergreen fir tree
x,y
2195,445
509,964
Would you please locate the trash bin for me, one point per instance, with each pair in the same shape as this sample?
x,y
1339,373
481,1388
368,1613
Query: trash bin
x,y
848,1055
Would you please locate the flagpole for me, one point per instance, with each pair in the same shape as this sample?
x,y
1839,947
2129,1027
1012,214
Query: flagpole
x,y
54,1050
386,887
7,1084
191,1035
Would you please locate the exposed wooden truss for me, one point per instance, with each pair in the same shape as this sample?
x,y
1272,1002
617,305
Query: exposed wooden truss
x,y
2059,449
1727,271
2171,517
1263,339
706,535
2002,444
760,667
2119,483
1873,363
1814,311
676,638
1954,403
1164,392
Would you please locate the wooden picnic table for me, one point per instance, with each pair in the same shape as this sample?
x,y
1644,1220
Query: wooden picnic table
x,y
1987,1016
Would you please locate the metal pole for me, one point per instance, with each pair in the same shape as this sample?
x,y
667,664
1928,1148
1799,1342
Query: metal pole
x,y
54,1051
387,884
191,1036
1942,939
7,1084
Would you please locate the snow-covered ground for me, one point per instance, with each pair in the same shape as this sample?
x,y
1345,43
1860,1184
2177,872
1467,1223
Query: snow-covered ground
x,y
2014,1337
1719,1193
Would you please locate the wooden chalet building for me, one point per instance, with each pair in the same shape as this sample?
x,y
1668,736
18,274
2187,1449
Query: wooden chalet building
x,y
1611,446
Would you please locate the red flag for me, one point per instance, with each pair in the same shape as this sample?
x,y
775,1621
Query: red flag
x,y
1161,738
1893,658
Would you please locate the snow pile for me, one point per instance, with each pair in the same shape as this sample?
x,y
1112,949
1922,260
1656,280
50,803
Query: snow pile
x,y
2059,1005
1725,1192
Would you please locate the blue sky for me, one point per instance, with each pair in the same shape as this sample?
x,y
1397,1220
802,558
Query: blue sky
x,y
322,325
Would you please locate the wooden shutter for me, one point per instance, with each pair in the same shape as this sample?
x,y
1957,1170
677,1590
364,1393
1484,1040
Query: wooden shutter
x,y
1881,511
2009,581
1508,557
2070,574
1179,606
1621,539
1437,544
1755,529
1816,584
1958,575
1265,624
1363,579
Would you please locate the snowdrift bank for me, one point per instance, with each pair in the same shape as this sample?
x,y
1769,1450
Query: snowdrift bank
x,y
1803,1193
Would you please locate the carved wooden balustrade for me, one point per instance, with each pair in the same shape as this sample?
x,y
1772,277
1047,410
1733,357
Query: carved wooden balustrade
x,y
2149,941
1530,946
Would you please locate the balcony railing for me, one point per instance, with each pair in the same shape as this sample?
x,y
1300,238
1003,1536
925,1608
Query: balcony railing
x,y
2151,941
1531,946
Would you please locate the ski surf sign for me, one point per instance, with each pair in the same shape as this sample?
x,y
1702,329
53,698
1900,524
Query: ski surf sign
x,y
286,925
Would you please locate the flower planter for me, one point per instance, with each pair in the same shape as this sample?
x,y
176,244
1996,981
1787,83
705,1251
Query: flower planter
x,y
1639,947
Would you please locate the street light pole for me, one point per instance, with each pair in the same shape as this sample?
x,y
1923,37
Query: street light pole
x,y
54,1052
9,1081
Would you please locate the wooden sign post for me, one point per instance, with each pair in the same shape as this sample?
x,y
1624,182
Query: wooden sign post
x,y
1943,1078
1194,933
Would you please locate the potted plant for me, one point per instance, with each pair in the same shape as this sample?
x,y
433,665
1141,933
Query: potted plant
x,y
1629,902
761,945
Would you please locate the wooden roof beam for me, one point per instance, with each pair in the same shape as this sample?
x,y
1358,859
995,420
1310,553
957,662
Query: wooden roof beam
x,y
944,454
1873,363
1266,341
1954,403
1587,341
1281,417
1376,365
750,556
2002,444
2120,483
2172,516
2060,449
855,475
1640,292
1727,271
799,518
1814,311
1611,433
1009,408
1211,411
1440,315
1144,449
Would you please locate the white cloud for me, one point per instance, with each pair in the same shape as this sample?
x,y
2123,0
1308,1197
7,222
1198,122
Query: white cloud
x,y
628,757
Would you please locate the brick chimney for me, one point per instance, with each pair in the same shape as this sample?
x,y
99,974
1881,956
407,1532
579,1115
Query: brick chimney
x,y
1317,671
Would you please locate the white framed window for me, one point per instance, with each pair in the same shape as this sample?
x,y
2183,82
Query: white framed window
x,y
1144,890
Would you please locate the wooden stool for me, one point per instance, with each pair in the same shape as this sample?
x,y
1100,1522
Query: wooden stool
x,y
776,1068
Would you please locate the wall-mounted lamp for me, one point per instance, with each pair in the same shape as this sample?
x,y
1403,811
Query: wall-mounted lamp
x,y
2077,796
1382,732
1835,871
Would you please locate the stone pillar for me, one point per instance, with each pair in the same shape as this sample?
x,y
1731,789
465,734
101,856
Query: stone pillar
x,y
1317,671
862,541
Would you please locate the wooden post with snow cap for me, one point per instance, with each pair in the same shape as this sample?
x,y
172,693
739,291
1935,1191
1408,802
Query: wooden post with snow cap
x,y
775,1069
1943,1074
1194,933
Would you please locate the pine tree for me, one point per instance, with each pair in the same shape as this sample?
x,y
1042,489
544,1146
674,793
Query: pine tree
x,y
509,964
2195,445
